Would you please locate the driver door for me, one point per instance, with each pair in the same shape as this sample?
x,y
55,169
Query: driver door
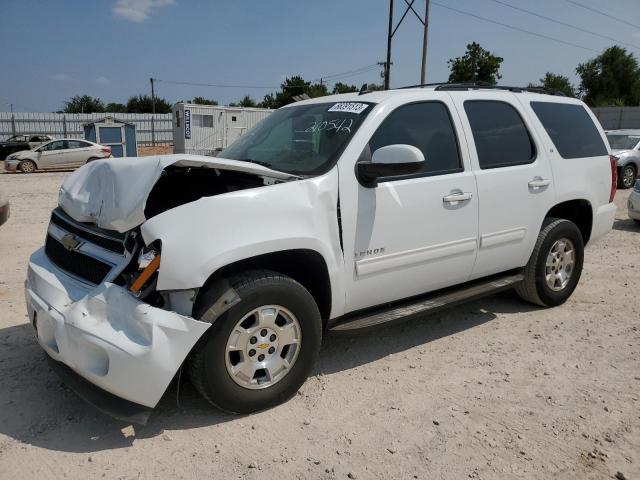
x,y
413,233
52,155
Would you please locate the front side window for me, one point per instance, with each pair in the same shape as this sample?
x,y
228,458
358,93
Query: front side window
x,y
623,142
301,140
426,126
500,135
59,145
571,129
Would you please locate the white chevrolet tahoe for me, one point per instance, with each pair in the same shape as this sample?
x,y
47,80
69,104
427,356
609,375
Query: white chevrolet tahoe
x,y
334,214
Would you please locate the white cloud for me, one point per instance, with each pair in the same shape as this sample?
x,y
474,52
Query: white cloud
x,y
138,10
103,81
62,77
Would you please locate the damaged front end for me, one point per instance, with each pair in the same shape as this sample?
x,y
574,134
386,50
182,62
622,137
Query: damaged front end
x,y
91,290
87,316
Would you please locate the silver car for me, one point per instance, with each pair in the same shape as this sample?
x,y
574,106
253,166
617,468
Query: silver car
x,y
633,203
625,146
63,153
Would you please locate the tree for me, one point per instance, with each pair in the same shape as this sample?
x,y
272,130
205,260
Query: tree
x,y
203,101
143,104
559,83
476,65
115,108
344,88
83,104
611,78
269,101
246,102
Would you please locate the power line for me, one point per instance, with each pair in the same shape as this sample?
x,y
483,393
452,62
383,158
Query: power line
x,y
522,30
348,73
197,84
617,19
575,27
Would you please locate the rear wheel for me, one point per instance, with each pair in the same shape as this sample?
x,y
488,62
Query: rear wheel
x,y
555,266
260,351
92,159
627,176
27,166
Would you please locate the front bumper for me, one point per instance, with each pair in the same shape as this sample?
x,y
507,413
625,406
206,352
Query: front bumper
x,y
104,334
633,205
11,165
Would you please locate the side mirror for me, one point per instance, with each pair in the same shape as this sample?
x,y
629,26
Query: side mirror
x,y
392,160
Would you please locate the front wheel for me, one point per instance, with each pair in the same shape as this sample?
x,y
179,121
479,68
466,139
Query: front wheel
x,y
260,351
555,266
27,166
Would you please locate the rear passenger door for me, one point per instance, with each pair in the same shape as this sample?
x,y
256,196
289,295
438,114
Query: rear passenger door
x,y
513,175
78,152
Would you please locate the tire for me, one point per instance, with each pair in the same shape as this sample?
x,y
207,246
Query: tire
x,y
535,287
209,366
27,166
92,159
627,177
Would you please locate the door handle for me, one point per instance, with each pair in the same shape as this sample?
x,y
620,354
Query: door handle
x,y
539,182
457,197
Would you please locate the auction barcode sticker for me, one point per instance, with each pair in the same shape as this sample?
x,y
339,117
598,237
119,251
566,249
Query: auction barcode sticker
x,y
349,107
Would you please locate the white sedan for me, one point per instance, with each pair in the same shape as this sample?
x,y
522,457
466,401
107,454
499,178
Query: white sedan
x,y
63,153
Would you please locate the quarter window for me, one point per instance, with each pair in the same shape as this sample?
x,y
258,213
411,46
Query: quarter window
x,y
500,135
571,129
426,126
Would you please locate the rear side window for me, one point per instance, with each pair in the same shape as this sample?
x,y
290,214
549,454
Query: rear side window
x,y
500,135
427,126
571,129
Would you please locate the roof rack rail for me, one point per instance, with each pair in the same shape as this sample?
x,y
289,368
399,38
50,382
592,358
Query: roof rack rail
x,y
484,85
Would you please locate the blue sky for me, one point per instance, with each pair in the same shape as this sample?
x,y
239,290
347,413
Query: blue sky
x,y
54,49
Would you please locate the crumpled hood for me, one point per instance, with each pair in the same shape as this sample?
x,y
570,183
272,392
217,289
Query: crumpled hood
x,y
112,193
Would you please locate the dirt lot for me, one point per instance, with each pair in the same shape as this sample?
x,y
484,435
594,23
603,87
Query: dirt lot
x,y
492,389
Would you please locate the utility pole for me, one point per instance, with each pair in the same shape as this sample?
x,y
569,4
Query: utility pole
x,y
423,72
387,64
391,32
153,114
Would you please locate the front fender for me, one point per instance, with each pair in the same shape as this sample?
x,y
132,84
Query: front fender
x,y
203,236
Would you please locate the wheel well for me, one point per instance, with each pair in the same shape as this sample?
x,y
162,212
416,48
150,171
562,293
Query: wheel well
x,y
307,267
578,212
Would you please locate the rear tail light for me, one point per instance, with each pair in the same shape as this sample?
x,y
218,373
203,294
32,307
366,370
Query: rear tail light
x,y
614,177
106,150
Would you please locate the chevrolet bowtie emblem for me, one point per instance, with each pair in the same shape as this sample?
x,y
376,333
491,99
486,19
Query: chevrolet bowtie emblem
x,y
70,242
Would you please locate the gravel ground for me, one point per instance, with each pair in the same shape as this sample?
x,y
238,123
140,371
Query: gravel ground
x,y
492,389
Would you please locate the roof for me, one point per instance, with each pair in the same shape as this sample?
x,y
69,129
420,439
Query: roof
x,y
378,96
625,131
110,120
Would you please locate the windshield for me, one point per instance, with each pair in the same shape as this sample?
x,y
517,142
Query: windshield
x,y
623,142
302,140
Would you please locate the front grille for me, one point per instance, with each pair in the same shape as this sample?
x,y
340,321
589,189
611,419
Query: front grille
x,y
79,264
114,241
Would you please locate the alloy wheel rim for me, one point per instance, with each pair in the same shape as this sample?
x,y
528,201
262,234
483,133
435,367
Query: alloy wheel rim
x,y
560,264
628,177
27,167
263,347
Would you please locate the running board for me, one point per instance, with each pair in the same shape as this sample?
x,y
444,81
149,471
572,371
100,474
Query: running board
x,y
427,304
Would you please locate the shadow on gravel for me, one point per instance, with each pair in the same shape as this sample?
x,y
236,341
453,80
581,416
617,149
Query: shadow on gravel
x,y
36,408
627,225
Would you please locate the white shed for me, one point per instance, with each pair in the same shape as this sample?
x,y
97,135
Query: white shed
x,y
206,129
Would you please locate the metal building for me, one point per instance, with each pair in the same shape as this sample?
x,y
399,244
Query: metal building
x,y
114,133
207,129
